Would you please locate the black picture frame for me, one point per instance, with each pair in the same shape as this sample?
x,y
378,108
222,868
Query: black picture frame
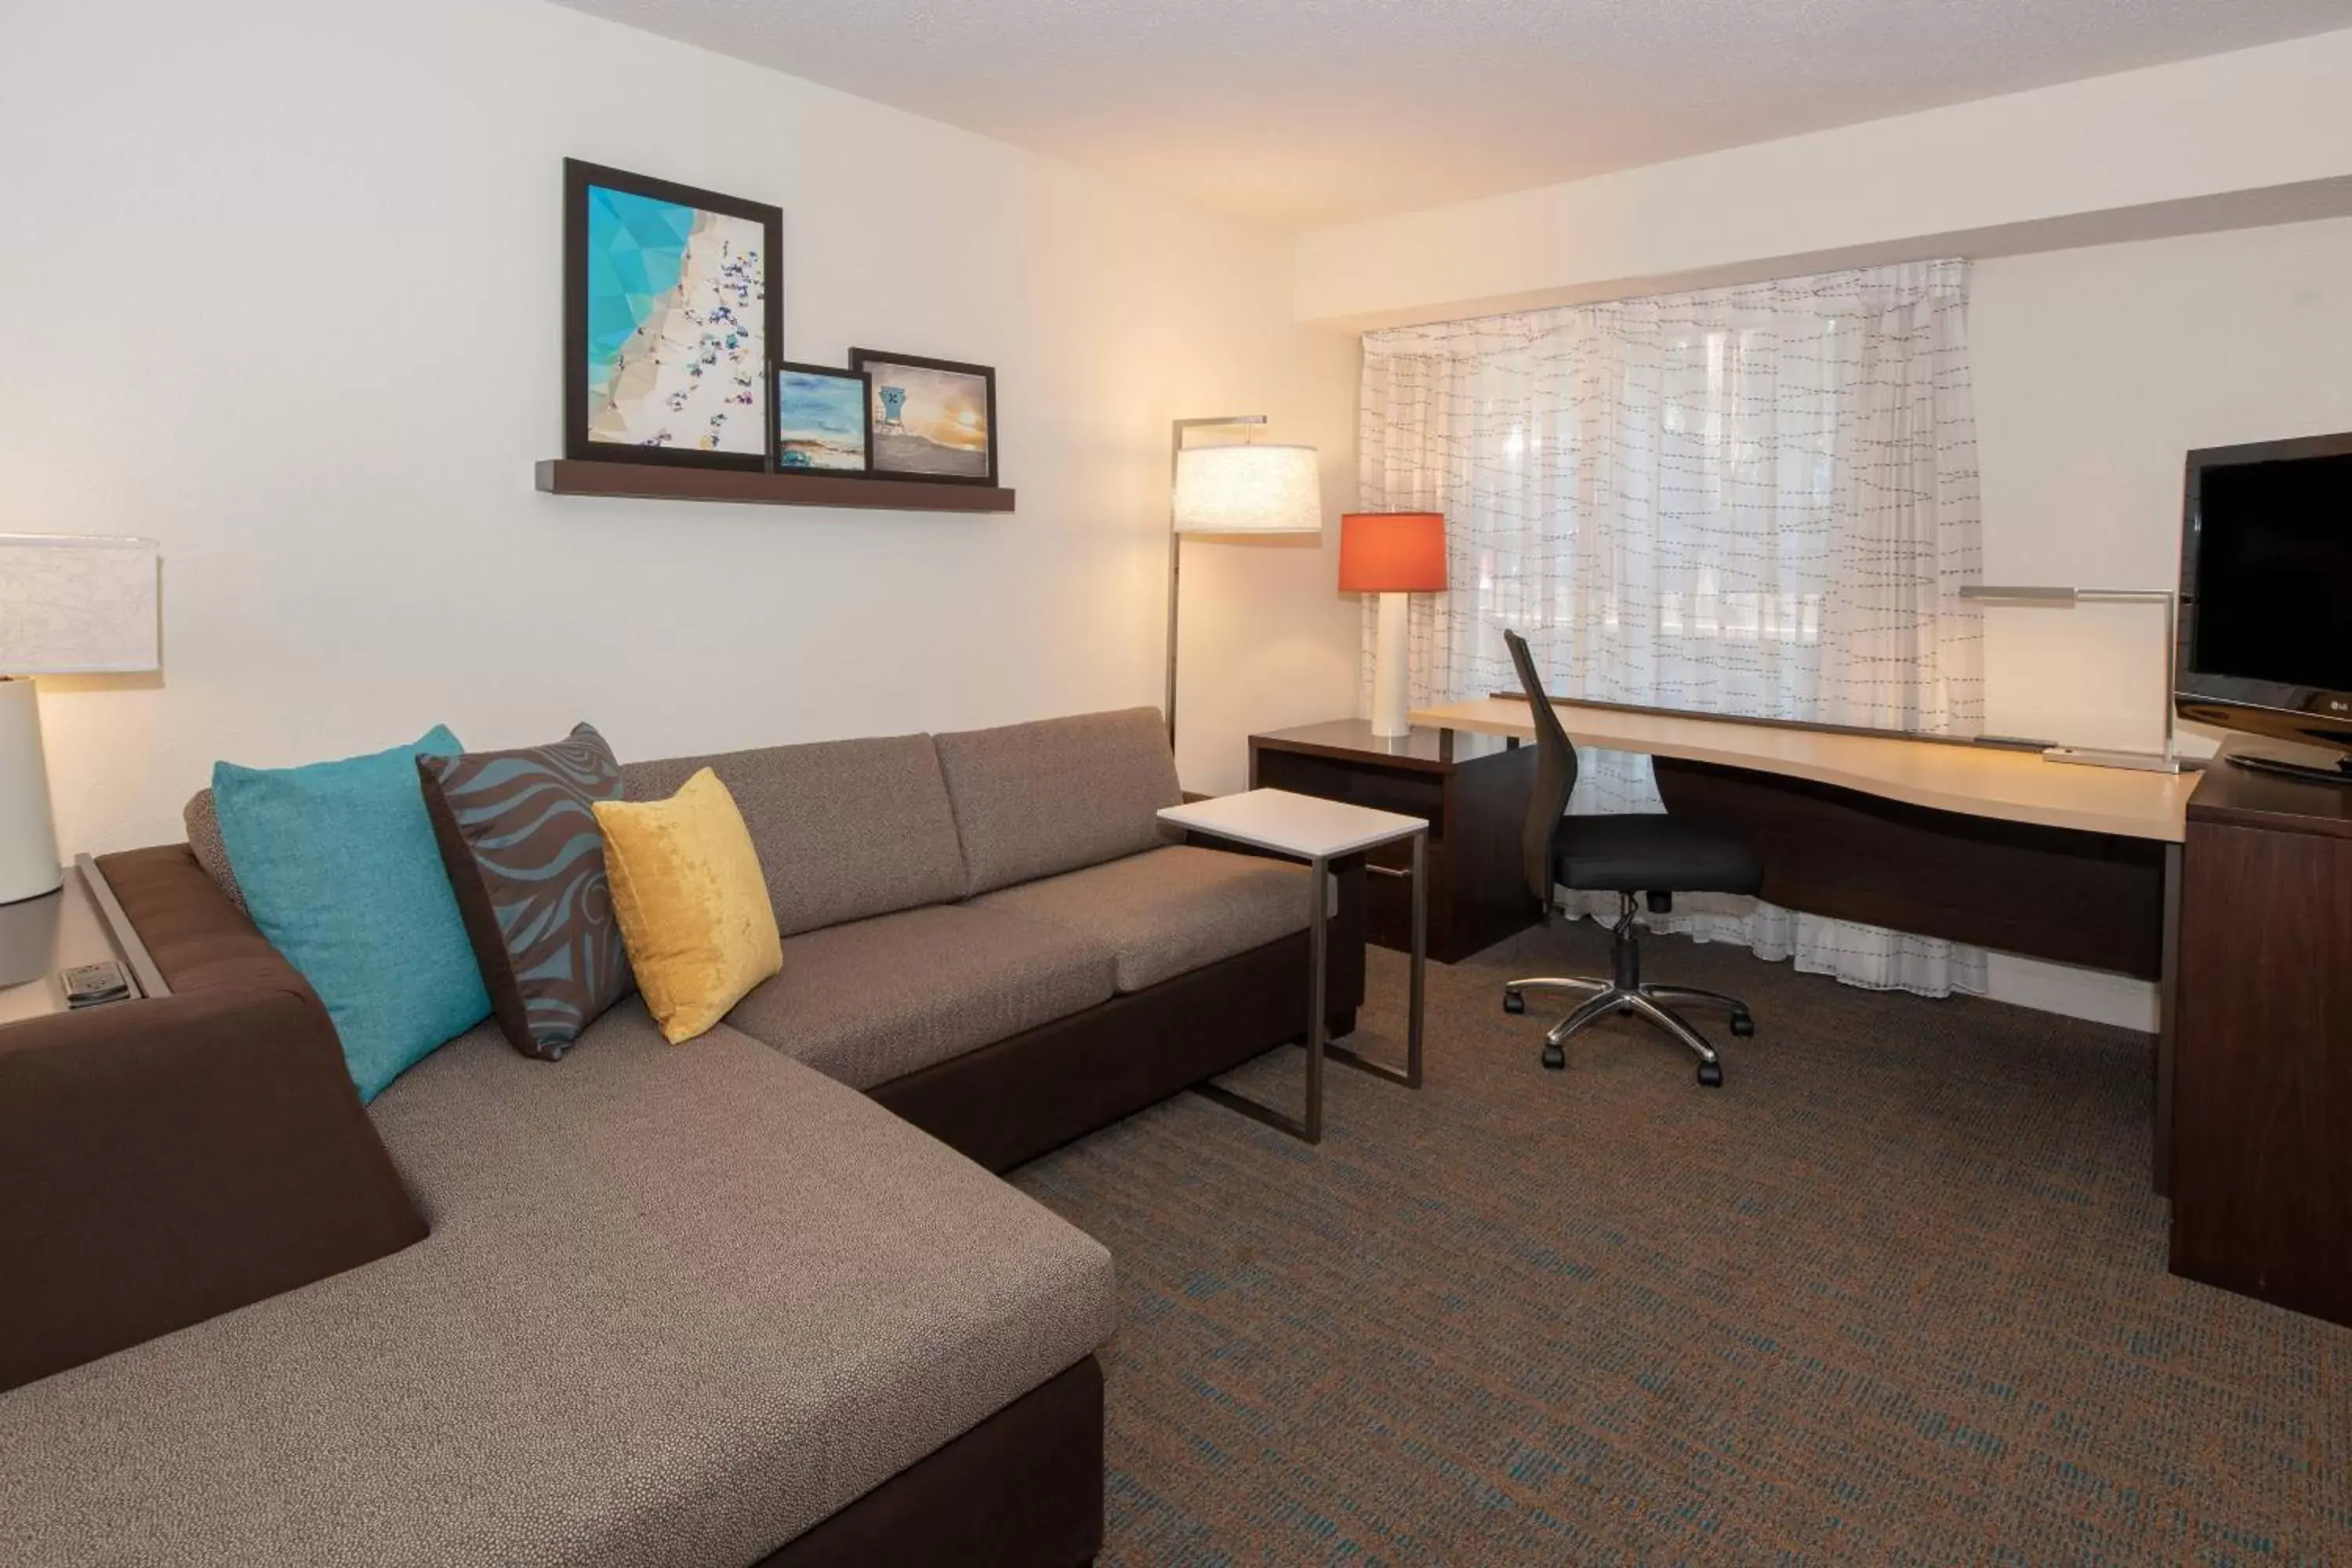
x,y
865,359
864,384
578,178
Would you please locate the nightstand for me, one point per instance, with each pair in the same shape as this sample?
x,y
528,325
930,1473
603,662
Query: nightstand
x,y
1470,789
73,926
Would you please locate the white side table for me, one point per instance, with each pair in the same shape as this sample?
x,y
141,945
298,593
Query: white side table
x,y
1320,831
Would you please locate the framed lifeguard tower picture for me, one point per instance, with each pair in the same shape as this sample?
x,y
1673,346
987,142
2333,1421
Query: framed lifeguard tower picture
x,y
933,418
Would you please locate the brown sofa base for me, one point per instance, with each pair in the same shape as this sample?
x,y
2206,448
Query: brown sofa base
x,y
1023,1490
167,1160
1012,1101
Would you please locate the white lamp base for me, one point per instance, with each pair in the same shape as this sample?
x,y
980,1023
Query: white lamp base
x,y
28,835
1390,668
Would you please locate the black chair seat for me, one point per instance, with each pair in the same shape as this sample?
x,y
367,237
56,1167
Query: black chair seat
x,y
1651,853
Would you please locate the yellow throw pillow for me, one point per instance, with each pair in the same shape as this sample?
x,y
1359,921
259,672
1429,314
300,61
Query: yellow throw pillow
x,y
692,904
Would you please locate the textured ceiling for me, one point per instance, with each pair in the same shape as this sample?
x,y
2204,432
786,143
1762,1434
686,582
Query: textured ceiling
x,y
1303,113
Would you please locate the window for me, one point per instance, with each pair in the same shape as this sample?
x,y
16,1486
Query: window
x,y
1757,501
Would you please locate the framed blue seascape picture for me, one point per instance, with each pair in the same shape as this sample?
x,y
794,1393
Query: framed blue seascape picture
x,y
822,423
673,311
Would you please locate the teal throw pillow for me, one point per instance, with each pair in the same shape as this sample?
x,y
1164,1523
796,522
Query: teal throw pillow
x,y
339,871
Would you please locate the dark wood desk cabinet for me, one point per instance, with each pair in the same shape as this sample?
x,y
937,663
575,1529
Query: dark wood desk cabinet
x,y
2261,1092
1470,789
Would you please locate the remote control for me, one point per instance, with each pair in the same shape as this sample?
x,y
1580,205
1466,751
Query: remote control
x,y
90,983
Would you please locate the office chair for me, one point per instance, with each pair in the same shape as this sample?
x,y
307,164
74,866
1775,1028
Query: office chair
x,y
1649,853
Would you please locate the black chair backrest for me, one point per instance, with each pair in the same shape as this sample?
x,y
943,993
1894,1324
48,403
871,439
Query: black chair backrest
x,y
1555,774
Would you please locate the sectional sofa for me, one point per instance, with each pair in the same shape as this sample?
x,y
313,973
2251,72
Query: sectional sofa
x,y
753,1298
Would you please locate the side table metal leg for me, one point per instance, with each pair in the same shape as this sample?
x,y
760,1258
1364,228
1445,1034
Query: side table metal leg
x,y
1420,983
1318,1023
1407,1075
1308,1127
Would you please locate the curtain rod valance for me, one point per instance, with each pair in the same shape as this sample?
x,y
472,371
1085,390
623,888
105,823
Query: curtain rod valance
x,y
1853,290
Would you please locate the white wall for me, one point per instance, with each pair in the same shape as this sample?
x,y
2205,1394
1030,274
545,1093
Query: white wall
x,y
2173,144
2095,370
279,287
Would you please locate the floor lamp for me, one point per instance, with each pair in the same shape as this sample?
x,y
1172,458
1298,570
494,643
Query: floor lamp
x,y
1232,490
2167,761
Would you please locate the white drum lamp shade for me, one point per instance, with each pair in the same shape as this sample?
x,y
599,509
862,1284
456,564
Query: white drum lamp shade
x,y
1235,490
1248,489
67,606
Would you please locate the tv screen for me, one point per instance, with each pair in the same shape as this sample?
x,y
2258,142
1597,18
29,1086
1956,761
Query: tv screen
x,y
2274,573
2266,590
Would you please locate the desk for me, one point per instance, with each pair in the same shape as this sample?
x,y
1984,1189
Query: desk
x,y
1973,781
1980,845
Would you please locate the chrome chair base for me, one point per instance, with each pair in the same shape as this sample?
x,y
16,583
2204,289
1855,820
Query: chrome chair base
x,y
1627,994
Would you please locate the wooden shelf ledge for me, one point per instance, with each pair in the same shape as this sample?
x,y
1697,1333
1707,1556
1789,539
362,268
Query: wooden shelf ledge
x,y
660,481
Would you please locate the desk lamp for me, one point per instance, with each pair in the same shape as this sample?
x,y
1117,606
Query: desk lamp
x,y
2166,761
1391,553
67,606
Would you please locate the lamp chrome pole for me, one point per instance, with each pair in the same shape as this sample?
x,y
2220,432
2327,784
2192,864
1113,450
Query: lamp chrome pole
x,y
1176,540
2165,761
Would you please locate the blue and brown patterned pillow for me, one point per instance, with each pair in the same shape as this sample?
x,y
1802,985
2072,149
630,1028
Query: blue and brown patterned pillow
x,y
520,839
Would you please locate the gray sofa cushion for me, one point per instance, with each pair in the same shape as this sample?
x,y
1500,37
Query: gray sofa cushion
x,y
679,1305
845,829
876,999
1034,799
1167,910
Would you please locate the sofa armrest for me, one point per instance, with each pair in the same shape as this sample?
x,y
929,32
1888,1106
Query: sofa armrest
x,y
166,1160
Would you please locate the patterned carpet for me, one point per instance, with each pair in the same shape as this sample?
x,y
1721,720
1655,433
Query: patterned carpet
x,y
1897,1294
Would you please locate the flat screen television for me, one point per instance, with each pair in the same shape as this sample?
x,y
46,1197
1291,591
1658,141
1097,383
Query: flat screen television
x,y
2265,626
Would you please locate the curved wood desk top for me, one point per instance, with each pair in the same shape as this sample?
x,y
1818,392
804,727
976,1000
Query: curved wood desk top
x,y
2016,786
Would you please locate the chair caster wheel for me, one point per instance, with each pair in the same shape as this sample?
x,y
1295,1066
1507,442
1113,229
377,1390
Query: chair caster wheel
x,y
1710,1075
1554,1058
1743,1024
1513,1003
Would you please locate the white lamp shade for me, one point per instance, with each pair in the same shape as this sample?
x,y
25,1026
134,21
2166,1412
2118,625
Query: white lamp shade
x,y
1248,489
77,606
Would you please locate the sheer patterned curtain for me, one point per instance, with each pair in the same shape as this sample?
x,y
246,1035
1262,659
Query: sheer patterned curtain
x,y
1756,500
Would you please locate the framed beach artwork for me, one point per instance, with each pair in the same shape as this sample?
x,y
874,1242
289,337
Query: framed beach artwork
x,y
673,309
821,420
933,418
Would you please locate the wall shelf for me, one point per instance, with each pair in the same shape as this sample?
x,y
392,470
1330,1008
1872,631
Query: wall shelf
x,y
659,482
